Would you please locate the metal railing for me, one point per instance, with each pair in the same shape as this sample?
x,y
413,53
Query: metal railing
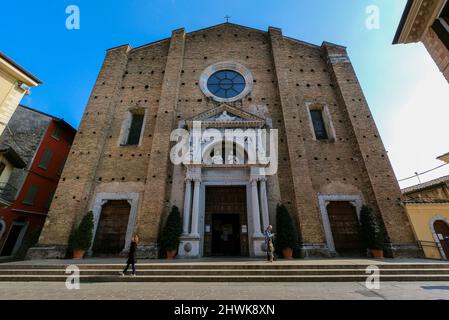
x,y
431,244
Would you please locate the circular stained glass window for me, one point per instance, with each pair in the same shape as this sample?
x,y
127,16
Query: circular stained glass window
x,y
226,84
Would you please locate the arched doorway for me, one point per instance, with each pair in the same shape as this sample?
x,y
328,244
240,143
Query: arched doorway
x,y
442,231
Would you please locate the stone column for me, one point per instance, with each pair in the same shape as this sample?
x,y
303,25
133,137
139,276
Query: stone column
x,y
196,208
255,207
187,205
264,203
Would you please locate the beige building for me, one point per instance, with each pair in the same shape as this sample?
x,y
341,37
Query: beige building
x,y
427,21
15,82
330,158
427,206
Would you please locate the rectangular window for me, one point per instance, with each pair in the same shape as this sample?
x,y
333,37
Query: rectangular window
x,y
49,200
135,129
31,195
57,133
318,124
46,158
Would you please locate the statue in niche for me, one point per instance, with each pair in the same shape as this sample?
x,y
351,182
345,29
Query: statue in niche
x,y
225,117
217,158
232,159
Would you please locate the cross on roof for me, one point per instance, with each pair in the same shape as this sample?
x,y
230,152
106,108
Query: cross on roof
x,y
227,18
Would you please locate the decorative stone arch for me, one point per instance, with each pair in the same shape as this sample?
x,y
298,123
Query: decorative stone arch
x,y
226,65
240,151
323,202
102,198
434,234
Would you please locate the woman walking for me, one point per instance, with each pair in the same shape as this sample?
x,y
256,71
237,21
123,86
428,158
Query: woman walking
x,y
131,256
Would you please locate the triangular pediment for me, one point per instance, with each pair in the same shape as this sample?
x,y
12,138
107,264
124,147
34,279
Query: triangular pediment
x,y
227,116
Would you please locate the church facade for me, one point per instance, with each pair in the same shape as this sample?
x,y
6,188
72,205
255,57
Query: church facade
x,y
326,158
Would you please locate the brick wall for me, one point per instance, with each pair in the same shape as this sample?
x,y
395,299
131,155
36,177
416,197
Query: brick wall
x,y
289,75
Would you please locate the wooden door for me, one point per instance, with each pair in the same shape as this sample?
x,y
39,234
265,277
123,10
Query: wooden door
x,y
442,231
222,201
345,228
111,230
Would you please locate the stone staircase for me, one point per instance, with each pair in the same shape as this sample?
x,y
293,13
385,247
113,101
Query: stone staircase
x,y
228,272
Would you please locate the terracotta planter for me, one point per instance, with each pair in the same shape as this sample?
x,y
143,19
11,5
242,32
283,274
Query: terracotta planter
x,y
287,253
78,254
377,253
171,254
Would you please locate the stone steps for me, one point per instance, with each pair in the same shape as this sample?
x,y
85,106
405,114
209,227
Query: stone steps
x,y
224,266
282,271
222,278
224,272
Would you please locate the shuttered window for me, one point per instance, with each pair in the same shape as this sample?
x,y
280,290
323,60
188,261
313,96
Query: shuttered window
x,y
31,195
57,133
135,129
46,158
318,124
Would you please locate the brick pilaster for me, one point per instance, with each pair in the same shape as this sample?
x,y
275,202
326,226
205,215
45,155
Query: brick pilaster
x,y
159,166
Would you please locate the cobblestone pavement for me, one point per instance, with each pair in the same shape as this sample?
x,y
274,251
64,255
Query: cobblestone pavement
x,y
223,291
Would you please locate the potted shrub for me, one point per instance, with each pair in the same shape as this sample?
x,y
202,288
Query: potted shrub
x,y
286,240
171,233
81,238
371,232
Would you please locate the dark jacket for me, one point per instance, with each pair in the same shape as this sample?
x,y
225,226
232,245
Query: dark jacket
x,y
132,252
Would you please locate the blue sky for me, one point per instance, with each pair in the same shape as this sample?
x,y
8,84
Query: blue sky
x,y
407,94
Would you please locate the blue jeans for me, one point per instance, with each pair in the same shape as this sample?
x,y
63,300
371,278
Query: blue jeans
x,y
133,266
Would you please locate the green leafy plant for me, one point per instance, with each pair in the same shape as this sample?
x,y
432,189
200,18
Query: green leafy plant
x,y
371,229
286,234
172,231
81,238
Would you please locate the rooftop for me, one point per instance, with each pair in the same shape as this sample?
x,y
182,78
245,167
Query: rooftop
x,y
426,185
19,67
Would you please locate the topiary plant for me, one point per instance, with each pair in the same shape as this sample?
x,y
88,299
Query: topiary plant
x,y
286,235
371,230
81,238
172,231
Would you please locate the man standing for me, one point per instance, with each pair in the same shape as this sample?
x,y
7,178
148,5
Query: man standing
x,y
269,238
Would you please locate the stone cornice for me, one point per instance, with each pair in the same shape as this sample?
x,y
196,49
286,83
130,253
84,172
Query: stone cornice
x,y
420,17
248,120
